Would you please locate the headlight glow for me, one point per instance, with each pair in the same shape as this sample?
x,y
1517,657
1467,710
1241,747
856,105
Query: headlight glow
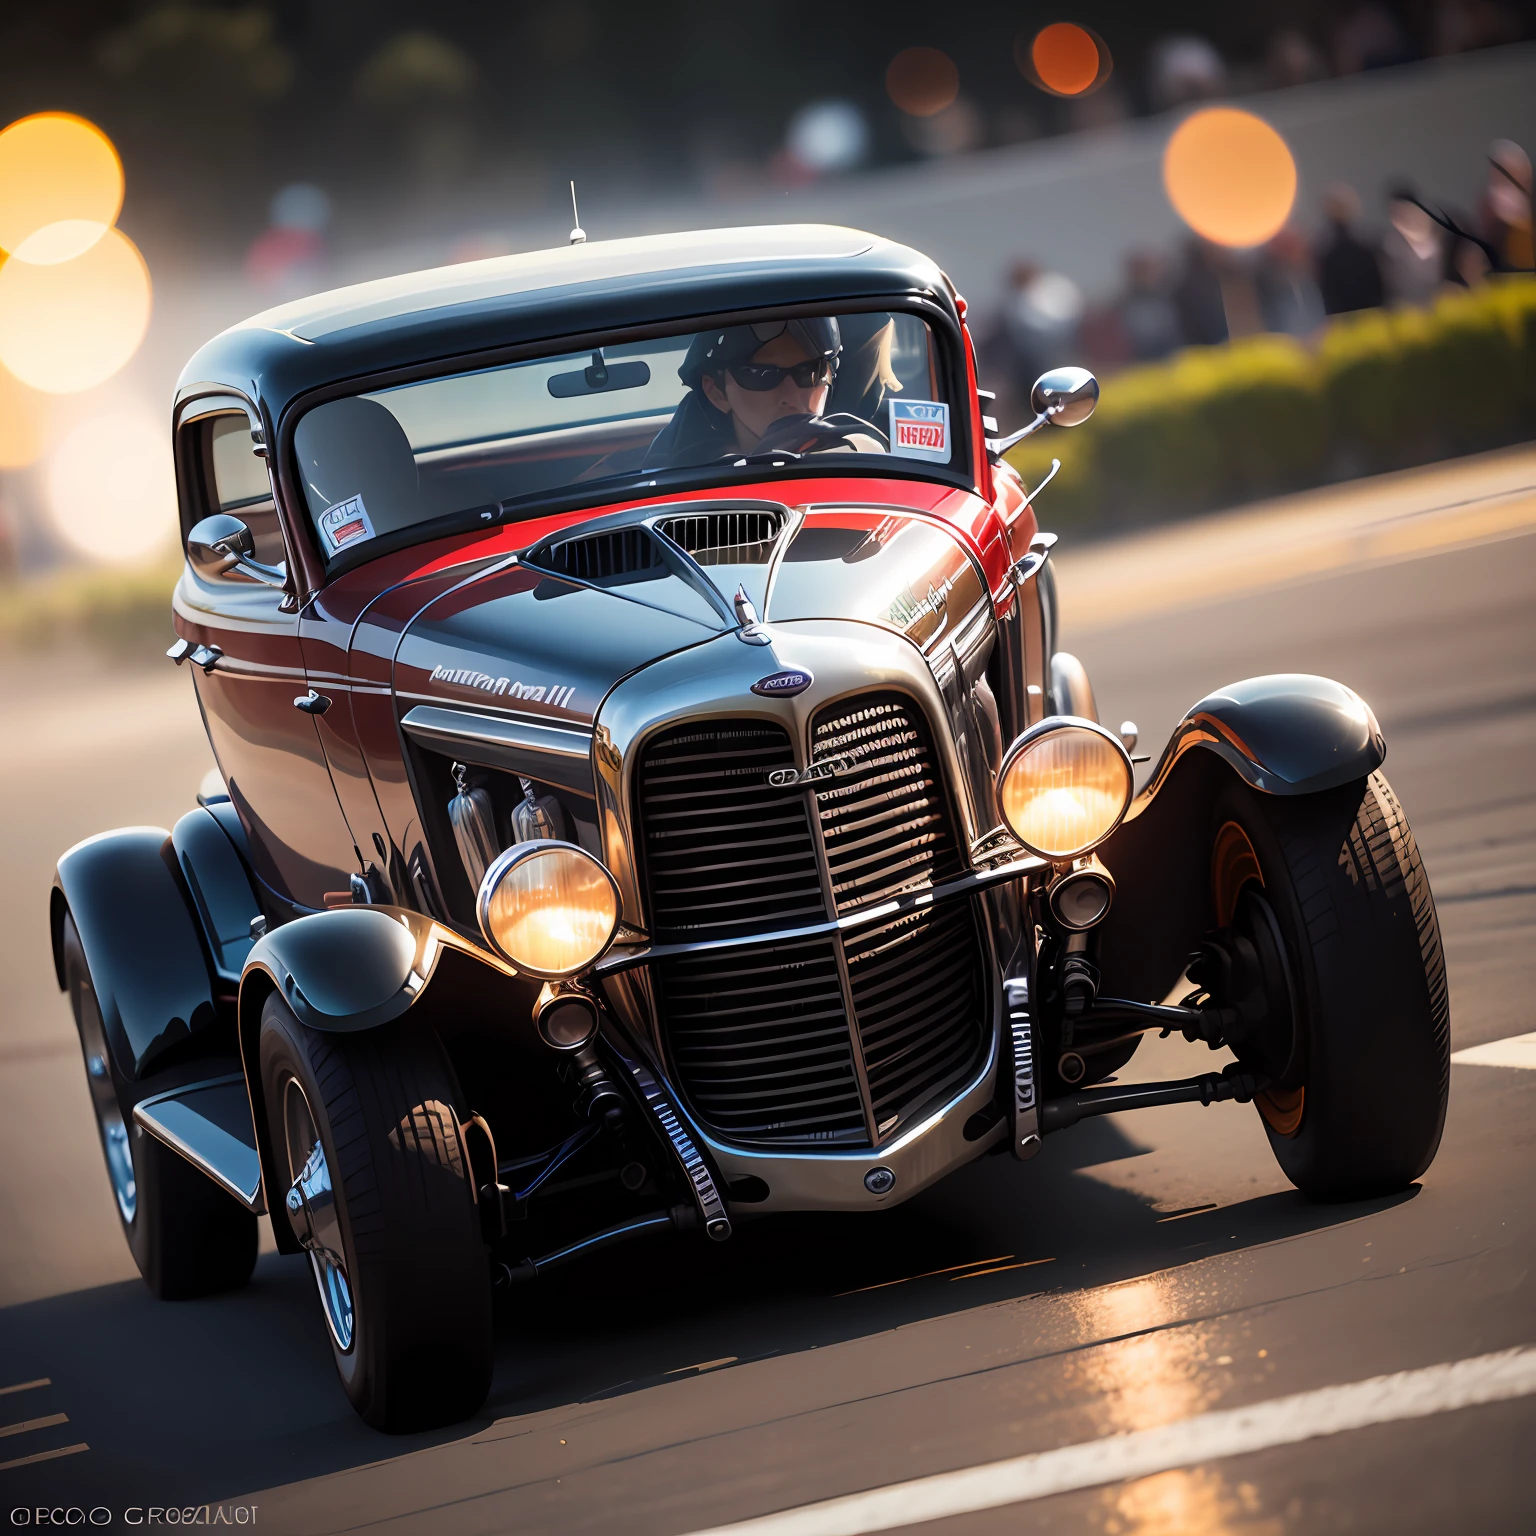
x,y
550,908
1064,786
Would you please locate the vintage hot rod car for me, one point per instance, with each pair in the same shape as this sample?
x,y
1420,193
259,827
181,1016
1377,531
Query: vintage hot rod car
x,y
649,796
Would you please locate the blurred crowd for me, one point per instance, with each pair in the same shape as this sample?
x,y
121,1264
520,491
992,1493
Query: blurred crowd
x,y
1291,286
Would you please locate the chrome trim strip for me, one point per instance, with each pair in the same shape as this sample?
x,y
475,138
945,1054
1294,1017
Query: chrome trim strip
x,y
1026,1109
231,1163
556,753
711,1208
909,901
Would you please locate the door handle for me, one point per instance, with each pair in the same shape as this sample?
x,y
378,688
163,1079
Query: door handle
x,y
312,703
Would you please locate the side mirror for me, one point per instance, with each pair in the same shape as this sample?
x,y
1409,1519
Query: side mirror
x,y
1066,397
221,544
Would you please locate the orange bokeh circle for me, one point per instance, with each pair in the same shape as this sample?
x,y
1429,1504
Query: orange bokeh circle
x,y
922,81
70,325
1066,58
61,186
1230,176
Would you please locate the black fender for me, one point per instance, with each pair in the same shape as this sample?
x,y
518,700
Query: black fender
x,y
357,968
1287,734
141,942
219,883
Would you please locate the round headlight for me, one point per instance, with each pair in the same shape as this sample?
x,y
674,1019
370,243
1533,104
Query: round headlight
x,y
550,908
1064,786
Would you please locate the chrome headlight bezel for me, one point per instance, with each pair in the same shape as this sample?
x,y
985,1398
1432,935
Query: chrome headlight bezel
x,y
521,853
1050,726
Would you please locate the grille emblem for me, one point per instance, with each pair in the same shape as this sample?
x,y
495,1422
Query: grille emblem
x,y
813,773
783,684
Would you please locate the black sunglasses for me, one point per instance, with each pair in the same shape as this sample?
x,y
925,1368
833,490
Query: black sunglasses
x,y
759,378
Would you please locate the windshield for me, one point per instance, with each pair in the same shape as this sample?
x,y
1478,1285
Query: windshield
x,y
769,393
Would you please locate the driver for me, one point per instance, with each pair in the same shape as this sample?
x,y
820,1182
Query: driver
x,y
753,388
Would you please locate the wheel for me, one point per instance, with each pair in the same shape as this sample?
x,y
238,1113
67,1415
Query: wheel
x,y
364,1131
1331,894
188,1237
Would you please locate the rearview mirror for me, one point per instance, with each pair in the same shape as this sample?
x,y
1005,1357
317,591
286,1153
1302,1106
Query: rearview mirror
x,y
221,544
1066,397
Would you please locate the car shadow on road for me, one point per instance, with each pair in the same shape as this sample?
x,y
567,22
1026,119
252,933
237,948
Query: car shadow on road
x,y
189,1402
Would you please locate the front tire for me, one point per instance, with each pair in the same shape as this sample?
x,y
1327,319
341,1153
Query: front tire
x,y
399,1260
187,1236
1359,1110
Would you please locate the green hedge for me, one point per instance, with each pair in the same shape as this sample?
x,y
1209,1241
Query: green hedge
x,y
1378,390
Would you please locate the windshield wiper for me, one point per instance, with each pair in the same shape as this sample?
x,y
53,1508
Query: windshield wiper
x,y
769,456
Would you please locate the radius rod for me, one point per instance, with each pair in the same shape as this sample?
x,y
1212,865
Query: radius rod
x,y
1235,1082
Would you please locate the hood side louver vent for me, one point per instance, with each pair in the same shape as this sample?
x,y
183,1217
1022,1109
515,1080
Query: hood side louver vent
x,y
725,538
602,556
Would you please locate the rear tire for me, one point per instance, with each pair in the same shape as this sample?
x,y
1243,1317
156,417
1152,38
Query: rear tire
x,y
1362,1105
188,1237
411,1335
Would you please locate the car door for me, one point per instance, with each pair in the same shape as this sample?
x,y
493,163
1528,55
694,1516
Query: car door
x,y
267,749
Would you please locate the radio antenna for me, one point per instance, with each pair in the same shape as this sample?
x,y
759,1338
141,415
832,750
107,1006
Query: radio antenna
x,y
578,234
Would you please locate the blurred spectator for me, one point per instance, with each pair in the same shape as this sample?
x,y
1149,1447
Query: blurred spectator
x,y
1369,38
1197,296
1413,251
1461,25
1040,323
1505,215
1184,69
1148,319
1289,299
1349,272
1291,59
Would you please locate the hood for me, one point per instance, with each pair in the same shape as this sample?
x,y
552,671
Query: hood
x,y
541,639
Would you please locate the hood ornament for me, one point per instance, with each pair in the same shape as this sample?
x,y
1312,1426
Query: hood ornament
x,y
751,631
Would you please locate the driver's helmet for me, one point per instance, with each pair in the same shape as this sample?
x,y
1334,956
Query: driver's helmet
x,y
713,351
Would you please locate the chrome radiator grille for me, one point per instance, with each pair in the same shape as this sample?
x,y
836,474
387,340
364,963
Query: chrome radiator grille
x,y
837,1039
724,853
883,819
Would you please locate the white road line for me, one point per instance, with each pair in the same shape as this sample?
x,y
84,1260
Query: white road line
x,y
1230,1432
47,1421
26,1461
1517,1051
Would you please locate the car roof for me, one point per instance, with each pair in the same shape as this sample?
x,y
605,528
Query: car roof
x,y
449,312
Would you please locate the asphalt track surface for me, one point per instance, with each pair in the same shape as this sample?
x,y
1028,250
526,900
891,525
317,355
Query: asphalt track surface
x,y
1148,1300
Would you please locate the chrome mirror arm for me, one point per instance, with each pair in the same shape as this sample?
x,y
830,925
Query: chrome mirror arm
x,y
270,575
997,446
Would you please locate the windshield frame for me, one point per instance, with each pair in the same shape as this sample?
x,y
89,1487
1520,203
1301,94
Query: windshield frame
x,y
639,485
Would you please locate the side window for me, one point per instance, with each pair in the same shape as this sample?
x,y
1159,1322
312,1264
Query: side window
x,y
237,483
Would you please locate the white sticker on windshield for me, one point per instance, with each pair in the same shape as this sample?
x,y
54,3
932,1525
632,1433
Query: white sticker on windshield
x,y
920,430
345,523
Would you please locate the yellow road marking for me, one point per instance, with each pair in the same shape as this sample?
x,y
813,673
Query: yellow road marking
x,y
26,1461
927,1274
26,1386
1022,1264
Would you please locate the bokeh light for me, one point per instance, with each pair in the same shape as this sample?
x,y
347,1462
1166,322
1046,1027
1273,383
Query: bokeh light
x,y
1229,176
24,417
61,186
828,136
71,325
111,488
922,81
1067,58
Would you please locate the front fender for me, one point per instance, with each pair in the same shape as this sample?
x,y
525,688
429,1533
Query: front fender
x,y
1290,734
357,968
1287,734
141,942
